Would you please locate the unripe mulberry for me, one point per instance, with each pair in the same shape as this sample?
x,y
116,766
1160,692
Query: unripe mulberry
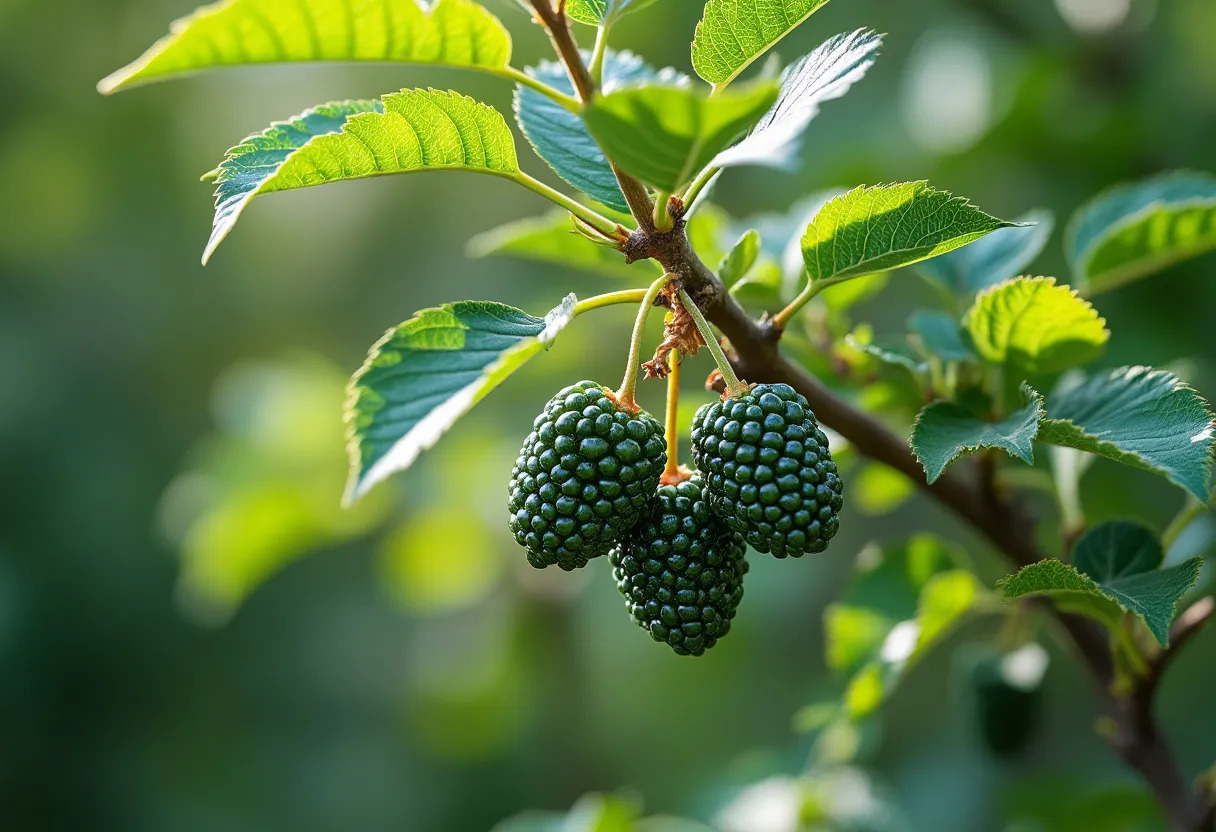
x,y
768,469
584,476
681,571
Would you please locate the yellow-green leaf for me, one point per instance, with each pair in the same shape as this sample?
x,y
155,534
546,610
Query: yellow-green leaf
x,y
409,131
241,32
733,33
1035,326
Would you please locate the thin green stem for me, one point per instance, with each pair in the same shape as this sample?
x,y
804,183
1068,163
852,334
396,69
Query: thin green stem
x,y
672,473
596,67
629,385
662,219
609,299
696,186
593,218
520,77
813,288
1189,513
733,385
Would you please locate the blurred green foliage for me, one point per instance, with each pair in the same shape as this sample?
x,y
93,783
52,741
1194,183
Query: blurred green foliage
x,y
171,453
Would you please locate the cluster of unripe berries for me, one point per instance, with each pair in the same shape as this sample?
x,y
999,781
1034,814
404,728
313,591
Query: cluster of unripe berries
x,y
587,483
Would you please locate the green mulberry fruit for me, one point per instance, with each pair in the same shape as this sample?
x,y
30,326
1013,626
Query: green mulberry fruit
x,y
681,571
584,476
768,470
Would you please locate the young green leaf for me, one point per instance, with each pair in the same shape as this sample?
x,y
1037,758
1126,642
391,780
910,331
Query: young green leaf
x,y
1132,231
597,12
1001,255
428,372
665,134
1148,419
409,131
740,259
560,137
1034,326
238,32
825,74
945,431
1116,584
733,33
883,227
941,335
551,239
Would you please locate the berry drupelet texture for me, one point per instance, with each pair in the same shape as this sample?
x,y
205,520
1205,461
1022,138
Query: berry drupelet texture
x,y
768,469
681,570
584,476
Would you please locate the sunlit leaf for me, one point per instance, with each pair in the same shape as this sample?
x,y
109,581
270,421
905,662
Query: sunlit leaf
x,y
410,131
733,33
560,137
425,374
1003,254
825,74
665,134
873,229
1148,419
1132,231
595,12
1034,326
551,239
945,431
240,32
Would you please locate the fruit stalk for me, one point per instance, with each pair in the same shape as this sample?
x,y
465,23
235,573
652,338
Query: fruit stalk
x,y
734,386
629,384
672,474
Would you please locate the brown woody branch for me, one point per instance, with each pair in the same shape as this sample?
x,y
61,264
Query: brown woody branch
x,y
968,490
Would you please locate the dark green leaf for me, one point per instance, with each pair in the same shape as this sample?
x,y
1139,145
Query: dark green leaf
x,y
1132,231
560,137
945,431
1148,419
428,372
1116,549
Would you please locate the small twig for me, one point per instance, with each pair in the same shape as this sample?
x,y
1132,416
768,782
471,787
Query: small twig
x,y
1185,627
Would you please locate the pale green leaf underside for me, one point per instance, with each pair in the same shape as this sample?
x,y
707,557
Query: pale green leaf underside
x,y
1148,419
1035,326
1132,231
428,372
945,431
551,239
874,229
595,12
733,33
1152,596
664,135
243,32
409,131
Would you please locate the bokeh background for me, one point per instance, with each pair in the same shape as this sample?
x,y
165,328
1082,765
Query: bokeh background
x,y
193,634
